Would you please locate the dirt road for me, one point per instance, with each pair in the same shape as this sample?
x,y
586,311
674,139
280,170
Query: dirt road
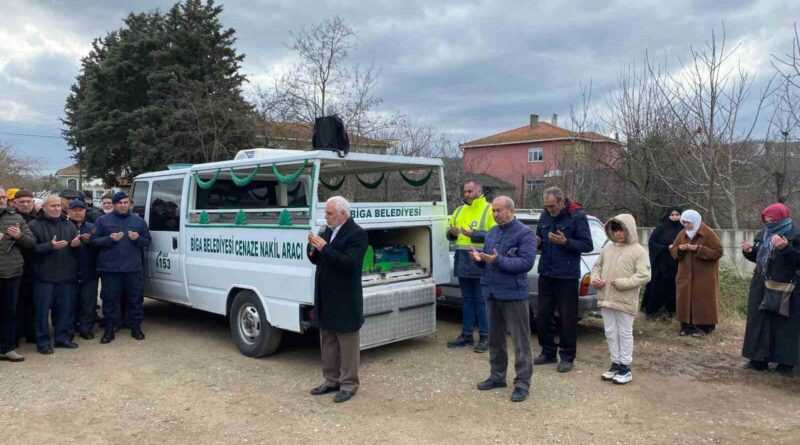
x,y
186,383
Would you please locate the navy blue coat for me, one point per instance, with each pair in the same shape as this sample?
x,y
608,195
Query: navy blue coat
x,y
564,261
123,255
507,277
86,256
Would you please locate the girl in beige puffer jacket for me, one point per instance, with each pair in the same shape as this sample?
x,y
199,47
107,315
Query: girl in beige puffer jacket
x,y
621,270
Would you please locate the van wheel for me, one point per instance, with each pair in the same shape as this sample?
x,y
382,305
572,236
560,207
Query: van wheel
x,y
251,331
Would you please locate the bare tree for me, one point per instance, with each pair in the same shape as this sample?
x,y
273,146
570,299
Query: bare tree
x,y
15,169
323,82
714,148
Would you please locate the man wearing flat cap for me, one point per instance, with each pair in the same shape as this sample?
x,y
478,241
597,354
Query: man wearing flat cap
x,y
86,256
23,201
121,237
68,196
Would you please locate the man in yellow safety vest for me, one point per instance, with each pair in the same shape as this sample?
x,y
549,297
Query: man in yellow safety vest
x,y
467,227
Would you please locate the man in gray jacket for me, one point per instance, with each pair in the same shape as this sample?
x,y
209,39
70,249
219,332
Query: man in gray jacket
x,y
507,256
14,233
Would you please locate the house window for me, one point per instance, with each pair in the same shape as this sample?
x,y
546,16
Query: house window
x,y
534,184
535,154
72,184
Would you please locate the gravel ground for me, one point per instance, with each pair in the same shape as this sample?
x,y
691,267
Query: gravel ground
x,y
187,383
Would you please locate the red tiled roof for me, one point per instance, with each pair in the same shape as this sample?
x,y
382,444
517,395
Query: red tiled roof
x,y
542,132
72,170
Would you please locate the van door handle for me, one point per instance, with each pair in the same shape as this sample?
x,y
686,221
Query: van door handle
x,y
174,243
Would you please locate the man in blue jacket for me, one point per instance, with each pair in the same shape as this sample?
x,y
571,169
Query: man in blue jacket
x,y
508,254
121,237
563,231
86,255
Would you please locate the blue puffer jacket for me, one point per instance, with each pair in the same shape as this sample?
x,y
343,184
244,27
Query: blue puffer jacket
x,y
507,277
564,261
123,255
86,256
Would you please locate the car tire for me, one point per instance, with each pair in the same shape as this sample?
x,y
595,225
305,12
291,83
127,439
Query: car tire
x,y
250,329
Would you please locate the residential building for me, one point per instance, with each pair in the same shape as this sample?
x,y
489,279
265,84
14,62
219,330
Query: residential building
x,y
530,157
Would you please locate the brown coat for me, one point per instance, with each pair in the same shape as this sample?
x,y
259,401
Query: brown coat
x,y
697,282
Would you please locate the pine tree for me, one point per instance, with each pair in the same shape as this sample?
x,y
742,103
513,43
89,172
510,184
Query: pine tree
x,y
165,88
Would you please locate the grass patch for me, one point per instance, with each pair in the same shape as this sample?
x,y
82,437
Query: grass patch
x,y
733,292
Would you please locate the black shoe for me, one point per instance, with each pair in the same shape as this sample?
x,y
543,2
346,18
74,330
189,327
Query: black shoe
x,y
784,369
46,351
490,384
542,359
564,366
137,334
756,365
67,345
87,335
460,342
323,389
108,336
519,395
483,345
343,396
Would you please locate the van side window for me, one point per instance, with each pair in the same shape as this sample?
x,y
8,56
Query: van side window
x,y
139,197
165,205
224,194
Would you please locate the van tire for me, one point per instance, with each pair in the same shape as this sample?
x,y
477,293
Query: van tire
x,y
250,329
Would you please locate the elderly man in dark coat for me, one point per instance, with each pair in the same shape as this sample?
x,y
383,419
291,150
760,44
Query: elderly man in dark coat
x,y
338,299
55,272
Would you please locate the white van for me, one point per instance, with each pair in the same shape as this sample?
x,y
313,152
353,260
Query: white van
x,y
230,238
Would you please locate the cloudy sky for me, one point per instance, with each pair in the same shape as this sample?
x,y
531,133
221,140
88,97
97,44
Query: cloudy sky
x,y
469,68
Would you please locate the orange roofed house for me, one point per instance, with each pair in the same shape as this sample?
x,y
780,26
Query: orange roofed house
x,y
528,157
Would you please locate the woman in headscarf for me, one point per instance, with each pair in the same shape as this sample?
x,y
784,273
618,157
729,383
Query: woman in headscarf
x,y
659,295
698,250
770,337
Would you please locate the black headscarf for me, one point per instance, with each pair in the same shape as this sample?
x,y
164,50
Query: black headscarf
x,y
663,235
665,218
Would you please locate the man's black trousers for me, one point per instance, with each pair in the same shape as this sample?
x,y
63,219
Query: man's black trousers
x,y
561,294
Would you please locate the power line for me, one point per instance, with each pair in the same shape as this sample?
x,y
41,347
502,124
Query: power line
x,y
31,135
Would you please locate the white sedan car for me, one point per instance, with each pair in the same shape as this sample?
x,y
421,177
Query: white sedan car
x,y
450,294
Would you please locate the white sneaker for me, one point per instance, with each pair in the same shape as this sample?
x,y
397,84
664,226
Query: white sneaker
x,y
612,371
623,376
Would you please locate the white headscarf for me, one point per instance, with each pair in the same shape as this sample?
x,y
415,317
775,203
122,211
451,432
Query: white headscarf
x,y
693,217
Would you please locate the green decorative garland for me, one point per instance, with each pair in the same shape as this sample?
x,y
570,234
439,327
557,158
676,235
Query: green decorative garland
x,y
332,187
285,218
418,182
291,177
371,185
205,185
241,182
241,218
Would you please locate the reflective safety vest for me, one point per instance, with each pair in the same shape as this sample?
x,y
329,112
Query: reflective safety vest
x,y
475,216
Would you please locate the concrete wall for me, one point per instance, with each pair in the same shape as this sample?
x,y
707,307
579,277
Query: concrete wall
x,y
732,257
